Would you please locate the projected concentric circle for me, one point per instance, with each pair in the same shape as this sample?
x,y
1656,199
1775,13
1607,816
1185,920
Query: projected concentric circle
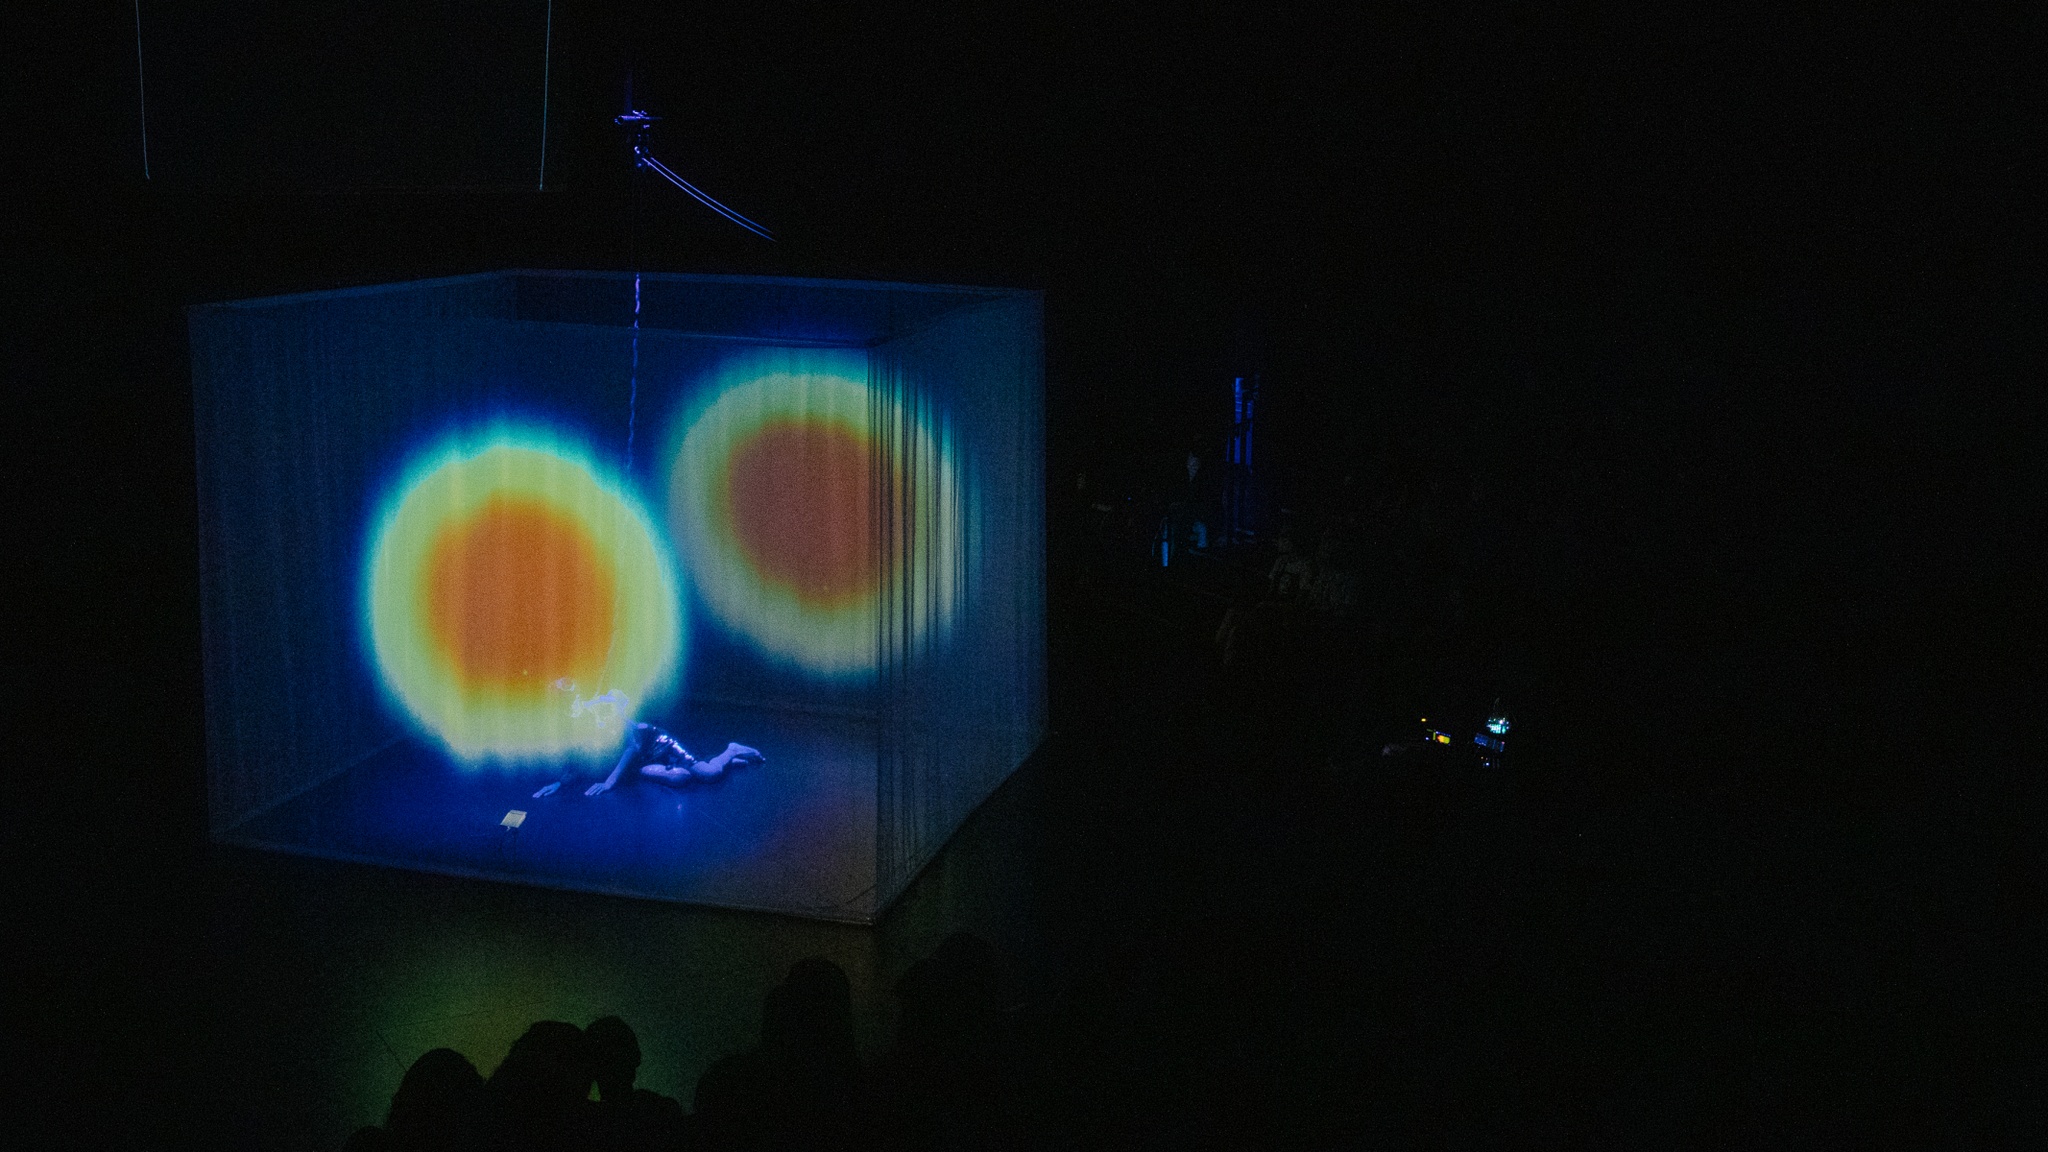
x,y
779,496
506,583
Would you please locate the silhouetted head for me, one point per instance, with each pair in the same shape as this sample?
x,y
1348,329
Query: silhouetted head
x,y
811,1011
972,961
823,981
440,1093
614,1056
948,994
547,1072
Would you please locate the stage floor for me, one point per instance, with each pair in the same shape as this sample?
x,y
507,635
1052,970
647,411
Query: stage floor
x,y
796,834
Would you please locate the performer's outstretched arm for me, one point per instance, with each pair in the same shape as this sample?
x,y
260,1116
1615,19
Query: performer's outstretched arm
x,y
606,784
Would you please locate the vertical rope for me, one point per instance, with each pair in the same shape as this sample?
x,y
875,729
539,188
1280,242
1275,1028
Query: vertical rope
x,y
141,97
546,56
633,381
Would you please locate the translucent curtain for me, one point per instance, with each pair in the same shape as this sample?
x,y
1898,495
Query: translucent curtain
x,y
960,694
285,392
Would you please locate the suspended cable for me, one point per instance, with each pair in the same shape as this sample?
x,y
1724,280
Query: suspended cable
x,y
633,377
640,124
546,55
633,381
141,97
706,200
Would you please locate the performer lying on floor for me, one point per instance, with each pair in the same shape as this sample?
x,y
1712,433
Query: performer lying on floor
x,y
659,756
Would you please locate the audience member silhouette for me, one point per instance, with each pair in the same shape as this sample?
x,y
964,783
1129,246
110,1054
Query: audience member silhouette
x,y
439,1105
801,1085
627,1117
943,1084
811,1019
540,1095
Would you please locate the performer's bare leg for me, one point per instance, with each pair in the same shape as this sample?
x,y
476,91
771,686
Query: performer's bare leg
x,y
734,753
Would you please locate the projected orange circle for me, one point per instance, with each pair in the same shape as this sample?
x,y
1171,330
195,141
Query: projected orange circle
x,y
507,583
517,597
799,497
809,502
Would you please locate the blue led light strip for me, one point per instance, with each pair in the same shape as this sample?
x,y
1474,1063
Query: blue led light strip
x,y
705,200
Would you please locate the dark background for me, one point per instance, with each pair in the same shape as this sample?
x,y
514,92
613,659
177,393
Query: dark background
x,y
1733,301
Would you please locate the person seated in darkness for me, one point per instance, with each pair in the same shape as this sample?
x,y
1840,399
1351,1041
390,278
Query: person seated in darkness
x,y
653,754
813,1028
628,1118
1291,571
438,1105
539,1097
1333,586
945,1083
800,1086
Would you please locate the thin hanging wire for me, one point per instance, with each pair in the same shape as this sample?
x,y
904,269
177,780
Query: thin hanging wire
x,y
633,381
141,97
546,57
705,199
633,227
